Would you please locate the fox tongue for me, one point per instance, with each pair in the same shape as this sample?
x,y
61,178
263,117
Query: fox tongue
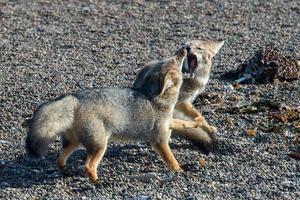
x,y
192,66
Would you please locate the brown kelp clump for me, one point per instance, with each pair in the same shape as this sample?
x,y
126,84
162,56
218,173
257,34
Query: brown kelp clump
x,y
268,65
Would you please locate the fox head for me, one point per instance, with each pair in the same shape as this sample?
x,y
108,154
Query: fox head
x,y
199,56
163,78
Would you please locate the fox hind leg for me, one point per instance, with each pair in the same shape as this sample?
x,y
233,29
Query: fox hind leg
x,y
70,144
95,140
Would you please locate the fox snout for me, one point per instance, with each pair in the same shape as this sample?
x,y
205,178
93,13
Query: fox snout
x,y
188,48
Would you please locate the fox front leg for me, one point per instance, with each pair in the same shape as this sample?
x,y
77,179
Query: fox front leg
x,y
190,110
181,125
178,124
167,156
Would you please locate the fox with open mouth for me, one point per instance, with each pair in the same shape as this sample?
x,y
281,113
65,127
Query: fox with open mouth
x,y
197,67
196,70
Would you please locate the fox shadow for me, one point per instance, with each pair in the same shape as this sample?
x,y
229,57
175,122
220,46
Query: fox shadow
x,y
25,171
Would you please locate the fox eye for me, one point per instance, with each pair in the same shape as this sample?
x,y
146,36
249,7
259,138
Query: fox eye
x,y
199,48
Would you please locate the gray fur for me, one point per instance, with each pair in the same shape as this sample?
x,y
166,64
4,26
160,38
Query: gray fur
x,y
93,117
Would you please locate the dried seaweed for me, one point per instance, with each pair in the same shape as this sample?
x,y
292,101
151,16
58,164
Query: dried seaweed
x,y
280,119
255,107
267,65
295,155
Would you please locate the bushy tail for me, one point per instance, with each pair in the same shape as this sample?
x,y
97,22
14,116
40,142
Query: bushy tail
x,y
205,141
50,120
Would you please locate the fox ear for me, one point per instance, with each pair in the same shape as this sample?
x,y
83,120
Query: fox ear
x,y
165,83
214,47
181,54
142,77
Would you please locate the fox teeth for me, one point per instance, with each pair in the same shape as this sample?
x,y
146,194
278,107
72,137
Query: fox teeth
x,y
185,75
188,75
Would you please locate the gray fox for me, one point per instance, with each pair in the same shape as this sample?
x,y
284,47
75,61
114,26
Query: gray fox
x,y
196,68
92,118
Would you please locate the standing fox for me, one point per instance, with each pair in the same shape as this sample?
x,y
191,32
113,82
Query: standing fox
x,y
197,67
92,118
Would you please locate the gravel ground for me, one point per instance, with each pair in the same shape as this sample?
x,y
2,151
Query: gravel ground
x,y
51,47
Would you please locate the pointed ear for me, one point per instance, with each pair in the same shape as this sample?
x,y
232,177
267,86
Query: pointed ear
x,y
214,47
180,57
165,83
181,54
142,77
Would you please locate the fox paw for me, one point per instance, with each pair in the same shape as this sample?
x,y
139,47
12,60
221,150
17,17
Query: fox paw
x,y
209,128
200,119
92,174
178,170
204,125
212,129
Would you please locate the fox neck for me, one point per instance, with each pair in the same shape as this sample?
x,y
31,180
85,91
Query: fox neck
x,y
192,87
202,75
166,102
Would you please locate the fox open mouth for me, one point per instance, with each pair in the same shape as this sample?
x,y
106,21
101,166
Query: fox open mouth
x,y
190,65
